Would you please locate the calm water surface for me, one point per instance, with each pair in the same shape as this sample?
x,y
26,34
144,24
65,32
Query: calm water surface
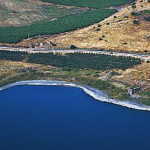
x,y
65,118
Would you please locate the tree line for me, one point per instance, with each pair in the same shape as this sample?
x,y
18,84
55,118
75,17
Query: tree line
x,y
84,60
60,25
90,3
12,55
73,60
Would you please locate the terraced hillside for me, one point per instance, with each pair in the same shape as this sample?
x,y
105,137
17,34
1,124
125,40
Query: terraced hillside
x,y
22,12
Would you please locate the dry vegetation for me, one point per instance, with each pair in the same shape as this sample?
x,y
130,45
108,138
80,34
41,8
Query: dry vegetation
x,y
116,32
134,75
130,77
139,72
8,68
22,12
11,71
120,78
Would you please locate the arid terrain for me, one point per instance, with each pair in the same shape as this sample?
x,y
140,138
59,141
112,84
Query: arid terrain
x,y
118,32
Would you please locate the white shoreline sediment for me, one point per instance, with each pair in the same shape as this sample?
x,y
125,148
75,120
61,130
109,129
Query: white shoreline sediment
x,y
96,94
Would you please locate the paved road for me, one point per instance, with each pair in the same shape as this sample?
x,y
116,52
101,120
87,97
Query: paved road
x,y
144,57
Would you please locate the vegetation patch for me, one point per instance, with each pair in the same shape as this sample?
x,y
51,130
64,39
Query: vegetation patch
x,y
83,60
72,75
23,12
63,24
13,55
90,3
136,22
147,18
140,13
74,60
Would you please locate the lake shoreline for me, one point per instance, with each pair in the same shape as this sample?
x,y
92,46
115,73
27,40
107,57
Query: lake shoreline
x,y
96,94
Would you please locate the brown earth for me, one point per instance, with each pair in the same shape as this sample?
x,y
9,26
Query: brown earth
x,y
116,32
132,76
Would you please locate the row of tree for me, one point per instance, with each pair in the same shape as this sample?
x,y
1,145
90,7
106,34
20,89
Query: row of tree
x,y
13,55
90,3
84,60
63,24
73,60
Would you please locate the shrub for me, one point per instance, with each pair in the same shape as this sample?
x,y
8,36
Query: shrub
x,y
73,47
133,6
99,25
147,18
146,51
134,14
114,73
126,17
98,29
53,44
136,22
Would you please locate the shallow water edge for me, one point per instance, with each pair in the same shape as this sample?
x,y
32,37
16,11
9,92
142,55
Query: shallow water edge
x,y
96,94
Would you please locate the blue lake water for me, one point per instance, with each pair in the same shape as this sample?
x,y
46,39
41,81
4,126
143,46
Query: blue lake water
x,y
65,118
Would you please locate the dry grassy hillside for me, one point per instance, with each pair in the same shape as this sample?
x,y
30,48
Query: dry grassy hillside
x,y
137,73
117,32
21,12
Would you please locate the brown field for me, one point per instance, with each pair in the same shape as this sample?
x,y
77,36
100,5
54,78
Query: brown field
x,y
8,68
117,33
139,73
22,12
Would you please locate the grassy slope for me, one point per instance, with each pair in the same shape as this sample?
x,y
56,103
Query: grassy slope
x,y
90,3
9,72
86,77
120,34
67,23
21,12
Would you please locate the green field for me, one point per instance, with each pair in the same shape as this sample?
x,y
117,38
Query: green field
x,y
23,12
82,61
63,24
75,60
90,3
